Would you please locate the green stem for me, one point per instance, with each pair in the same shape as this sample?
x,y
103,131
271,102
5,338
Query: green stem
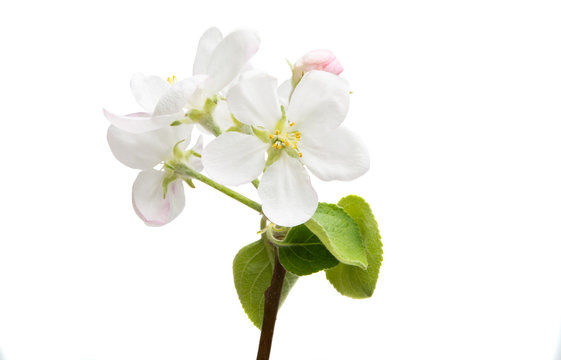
x,y
185,171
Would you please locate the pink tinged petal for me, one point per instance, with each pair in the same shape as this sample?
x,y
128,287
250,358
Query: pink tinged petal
x,y
334,67
337,155
323,60
147,90
208,42
141,122
284,92
195,162
320,102
234,158
145,150
287,193
229,58
148,198
254,100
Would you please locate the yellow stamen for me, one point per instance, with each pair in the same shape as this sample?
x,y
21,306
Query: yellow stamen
x,y
300,154
271,136
277,132
172,80
291,123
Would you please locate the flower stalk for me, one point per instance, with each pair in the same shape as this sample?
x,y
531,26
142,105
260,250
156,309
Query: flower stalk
x,y
186,172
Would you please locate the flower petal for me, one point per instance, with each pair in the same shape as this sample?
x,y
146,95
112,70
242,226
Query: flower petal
x,y
234,158
319,102
196,96
287,193
148,198
229,58
145,150
284,92
208,42
176,97
195,162
338,155
147,90
254,100
141,122
222,116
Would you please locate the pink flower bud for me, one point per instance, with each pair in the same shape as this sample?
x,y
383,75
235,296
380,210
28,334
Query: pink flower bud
x,y
323,60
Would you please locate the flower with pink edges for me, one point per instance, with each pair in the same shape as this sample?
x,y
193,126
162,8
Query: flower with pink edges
x,y
323,60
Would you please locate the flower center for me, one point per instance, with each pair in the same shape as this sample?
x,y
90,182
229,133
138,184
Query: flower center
x,y
288,139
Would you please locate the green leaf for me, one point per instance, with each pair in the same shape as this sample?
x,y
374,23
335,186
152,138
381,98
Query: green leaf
x,y
302,253
253,271
339,233
350,280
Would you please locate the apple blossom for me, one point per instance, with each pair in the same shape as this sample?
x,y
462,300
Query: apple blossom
x,y
163,102
220,60
307,134
217,63
158,196
323,60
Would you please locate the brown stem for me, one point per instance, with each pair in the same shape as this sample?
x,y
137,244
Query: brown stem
x,y
272,300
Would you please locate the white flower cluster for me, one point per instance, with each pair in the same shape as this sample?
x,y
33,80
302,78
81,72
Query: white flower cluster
x,y
262,130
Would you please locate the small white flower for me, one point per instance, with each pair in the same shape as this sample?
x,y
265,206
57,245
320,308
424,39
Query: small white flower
x,y
308,134
163,102
217,63
149,201
144,151
220,60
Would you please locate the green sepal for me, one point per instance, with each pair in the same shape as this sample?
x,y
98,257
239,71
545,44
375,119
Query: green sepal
x,y
177,123
190,182
204,117
339,233
239,127
178,154
281,124
210,104
302,253
168,179
350,280
262,134
272,156
197,115
253,271
289,64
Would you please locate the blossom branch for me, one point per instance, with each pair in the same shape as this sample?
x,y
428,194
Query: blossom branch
x,y
272,301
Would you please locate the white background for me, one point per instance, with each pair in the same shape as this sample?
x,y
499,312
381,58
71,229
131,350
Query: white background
x,y
459,102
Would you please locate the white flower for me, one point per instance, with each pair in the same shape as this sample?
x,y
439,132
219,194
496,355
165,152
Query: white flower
x,y
307,135
163,102
218,62
144,151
